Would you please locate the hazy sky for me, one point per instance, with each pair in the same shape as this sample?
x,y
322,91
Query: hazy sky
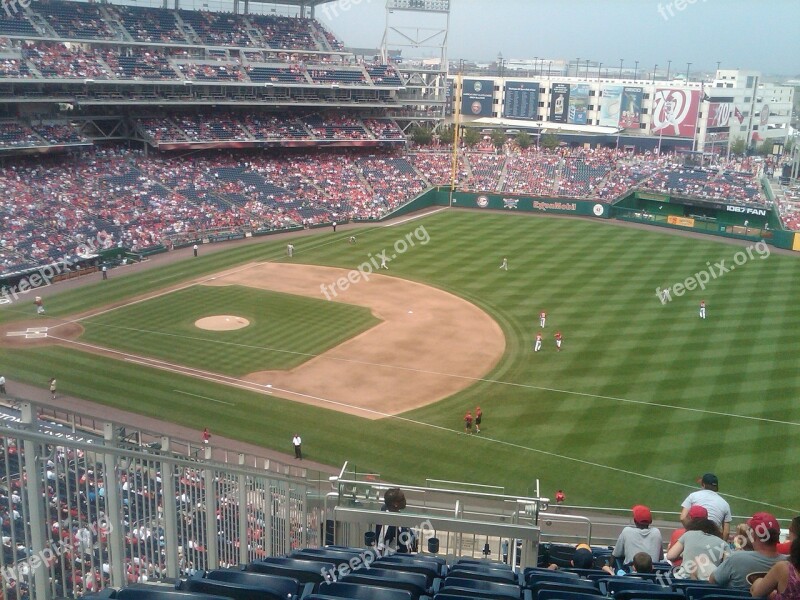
x,y
748,34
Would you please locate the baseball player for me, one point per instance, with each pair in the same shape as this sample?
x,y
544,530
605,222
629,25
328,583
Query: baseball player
x,y
702,309
504,264
39,305
558,337
538,344
542,319
383,263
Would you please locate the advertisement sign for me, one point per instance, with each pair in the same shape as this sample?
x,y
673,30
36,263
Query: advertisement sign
x,y
559,102
578,104
522,100
611,106
631,113
682,221
675,112
476,97
719,115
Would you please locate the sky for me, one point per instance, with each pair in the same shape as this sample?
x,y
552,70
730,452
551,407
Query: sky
x,y
762,35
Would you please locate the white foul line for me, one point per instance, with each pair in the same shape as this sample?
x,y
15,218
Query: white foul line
x,y
427,214
204,397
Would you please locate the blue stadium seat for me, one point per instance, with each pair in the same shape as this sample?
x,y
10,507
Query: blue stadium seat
x,y
428,569
533,576
305,571
277,584
496,575
615,585
482,589
235,591
562,595
437,562
698,592
355,591
400,580
648,594
156,592
580,586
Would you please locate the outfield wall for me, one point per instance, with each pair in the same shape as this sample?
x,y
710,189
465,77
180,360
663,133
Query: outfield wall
x,y
490,201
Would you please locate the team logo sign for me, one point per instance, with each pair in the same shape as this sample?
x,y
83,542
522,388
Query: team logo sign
x,y
719,115
675,112
478,86
597,209
483,201
510,203
765,114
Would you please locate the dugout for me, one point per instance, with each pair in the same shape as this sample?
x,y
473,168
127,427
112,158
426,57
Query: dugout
x,y
706,216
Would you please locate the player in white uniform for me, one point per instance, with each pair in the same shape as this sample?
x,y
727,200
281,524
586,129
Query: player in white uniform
x,y
702,309
504,265
538,345
383,263
542,319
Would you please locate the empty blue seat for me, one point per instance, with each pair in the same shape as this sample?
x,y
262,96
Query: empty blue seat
x,y
235,591
497,575
532,576
277,584
562,595
400,580
615,585
429,570
155,592
648,594
305,571
434,562
580,586
696,592
482,589
353,591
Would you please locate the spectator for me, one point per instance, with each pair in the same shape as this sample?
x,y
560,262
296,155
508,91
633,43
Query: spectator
x,y
701,547
782,581
708,497
639,538
391,536
794,533
642,563
734,570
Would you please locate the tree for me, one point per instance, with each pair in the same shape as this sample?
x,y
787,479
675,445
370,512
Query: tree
x,y
421,136
498,139
549,141
765,149
446,134
738,146
471,136
523,140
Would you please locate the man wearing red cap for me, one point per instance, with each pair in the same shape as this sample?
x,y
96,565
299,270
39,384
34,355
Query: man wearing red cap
x,y
640,538
733,572
718,509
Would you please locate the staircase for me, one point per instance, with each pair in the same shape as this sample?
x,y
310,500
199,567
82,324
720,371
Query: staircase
x,y
38,21
115,24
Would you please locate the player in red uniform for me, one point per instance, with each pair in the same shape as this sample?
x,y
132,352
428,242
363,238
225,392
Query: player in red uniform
x,y
542,319
560,497
538,345
558,337
468,422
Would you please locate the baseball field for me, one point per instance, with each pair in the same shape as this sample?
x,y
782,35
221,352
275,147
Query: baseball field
x,y
379,366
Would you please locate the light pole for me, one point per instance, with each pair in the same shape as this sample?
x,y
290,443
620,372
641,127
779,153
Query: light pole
x,y
719,62
654,73
549,67
535,61
688,64
577,63
621,60
600,66
669,64
636,70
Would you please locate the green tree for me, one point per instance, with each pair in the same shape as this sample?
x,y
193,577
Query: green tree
x,y
765,148
523,140
471,136
421,136
498,139
738,146
549,141
446,134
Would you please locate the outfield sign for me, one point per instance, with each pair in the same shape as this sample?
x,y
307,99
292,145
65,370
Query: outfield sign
x,y
528,204
682,221
747,210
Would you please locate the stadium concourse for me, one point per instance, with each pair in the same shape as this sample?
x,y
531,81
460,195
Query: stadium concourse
x,y
51,205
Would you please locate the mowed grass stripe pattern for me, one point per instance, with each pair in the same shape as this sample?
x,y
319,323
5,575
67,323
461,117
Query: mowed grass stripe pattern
x,y
597,282
164,328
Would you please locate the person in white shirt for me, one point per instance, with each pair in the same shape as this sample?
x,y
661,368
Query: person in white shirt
x,y
297,443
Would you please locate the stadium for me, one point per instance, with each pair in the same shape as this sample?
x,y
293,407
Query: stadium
x,y
226,230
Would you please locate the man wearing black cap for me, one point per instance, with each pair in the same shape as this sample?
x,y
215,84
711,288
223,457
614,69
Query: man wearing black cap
x,y
734,570
718,509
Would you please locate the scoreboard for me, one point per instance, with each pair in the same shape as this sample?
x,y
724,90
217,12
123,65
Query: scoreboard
x,y
522,100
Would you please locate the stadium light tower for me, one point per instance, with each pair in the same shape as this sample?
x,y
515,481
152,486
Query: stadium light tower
x,y
669,64
636,70
621,60
426,85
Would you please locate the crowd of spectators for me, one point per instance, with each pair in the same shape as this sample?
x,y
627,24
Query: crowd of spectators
x,y
56,60
50,206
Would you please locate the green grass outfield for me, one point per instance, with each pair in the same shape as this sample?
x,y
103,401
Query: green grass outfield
x,y
644,398
276,337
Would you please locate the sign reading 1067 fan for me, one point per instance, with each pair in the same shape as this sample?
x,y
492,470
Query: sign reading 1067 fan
x,y
675,112
476,97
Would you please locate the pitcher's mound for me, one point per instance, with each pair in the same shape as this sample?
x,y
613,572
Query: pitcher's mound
x,y
221,323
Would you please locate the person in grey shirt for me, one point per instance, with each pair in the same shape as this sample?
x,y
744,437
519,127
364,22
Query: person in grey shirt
x,y
701,547
640,538
733,571
708,497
